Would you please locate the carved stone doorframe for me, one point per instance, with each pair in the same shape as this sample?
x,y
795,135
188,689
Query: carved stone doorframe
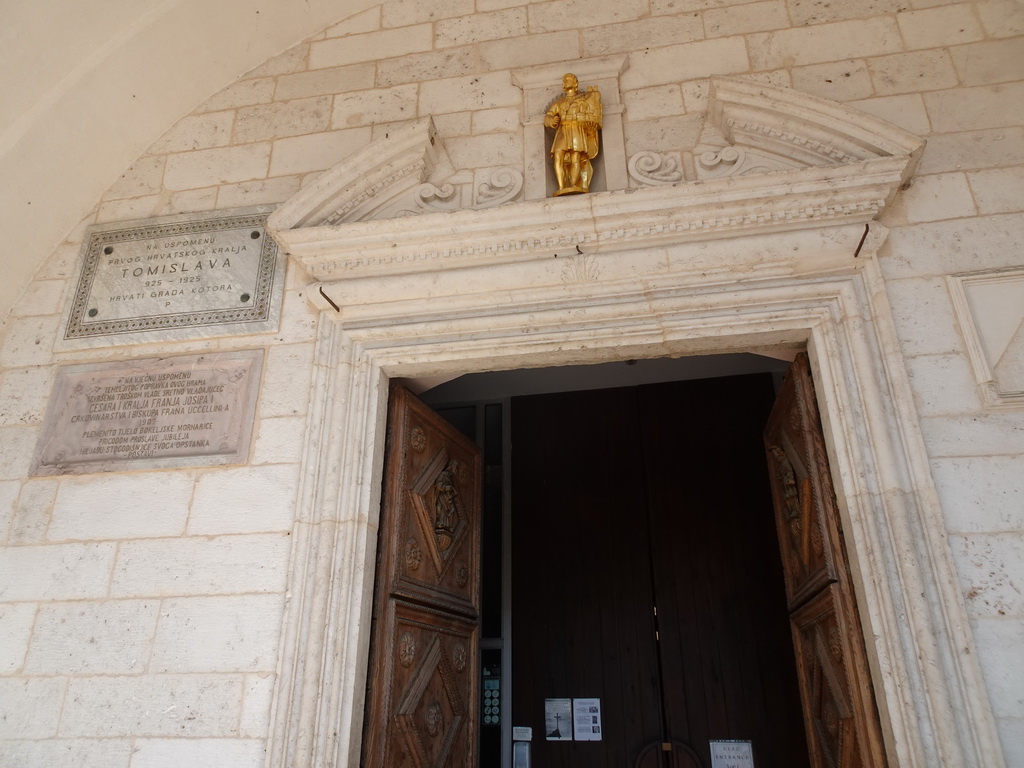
x,y
766,262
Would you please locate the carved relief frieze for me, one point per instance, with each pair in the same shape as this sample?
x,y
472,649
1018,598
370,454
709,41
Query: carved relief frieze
x,y
803,148
652,168
497,187
739,161
580,268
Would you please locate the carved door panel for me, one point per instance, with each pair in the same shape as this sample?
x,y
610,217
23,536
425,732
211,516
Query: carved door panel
x,y
421,691
840,715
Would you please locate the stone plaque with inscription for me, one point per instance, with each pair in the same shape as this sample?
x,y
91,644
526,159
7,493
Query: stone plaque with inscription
x,y
182,277
150,414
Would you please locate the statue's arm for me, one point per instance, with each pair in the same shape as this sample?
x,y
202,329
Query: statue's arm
x,y
594,96
553,117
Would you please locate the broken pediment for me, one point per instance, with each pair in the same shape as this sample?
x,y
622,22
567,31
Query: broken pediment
x,y
771,160
765,129
405,173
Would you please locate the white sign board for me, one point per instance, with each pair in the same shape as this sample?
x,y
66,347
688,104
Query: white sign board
x,y
732,753
586,719
558,719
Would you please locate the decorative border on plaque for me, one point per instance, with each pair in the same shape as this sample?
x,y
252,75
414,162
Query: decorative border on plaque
x,y
157,413
189,276
990,308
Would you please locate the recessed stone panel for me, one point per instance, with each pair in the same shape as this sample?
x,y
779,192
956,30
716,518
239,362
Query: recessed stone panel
x,y
150,414
181,277
990,308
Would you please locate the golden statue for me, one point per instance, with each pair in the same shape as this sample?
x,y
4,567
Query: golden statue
x,y
576,118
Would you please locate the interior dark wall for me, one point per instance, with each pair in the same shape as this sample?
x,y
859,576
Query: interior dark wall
x,y
627,498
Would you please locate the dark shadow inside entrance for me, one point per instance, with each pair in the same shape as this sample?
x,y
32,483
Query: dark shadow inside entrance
x,y
627,496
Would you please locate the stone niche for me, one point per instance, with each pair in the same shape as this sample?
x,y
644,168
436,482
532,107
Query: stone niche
x,y
771,248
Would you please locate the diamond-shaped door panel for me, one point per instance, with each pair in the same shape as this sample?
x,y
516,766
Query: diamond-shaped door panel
x,y
422,682
840,716
437,535
829,673
436,498
802,491
432,675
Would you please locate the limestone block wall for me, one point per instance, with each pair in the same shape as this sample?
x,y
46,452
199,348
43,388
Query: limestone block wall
x,y
141,610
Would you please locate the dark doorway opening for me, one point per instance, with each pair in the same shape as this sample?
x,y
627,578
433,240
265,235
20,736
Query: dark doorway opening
x,y
624,499
646,573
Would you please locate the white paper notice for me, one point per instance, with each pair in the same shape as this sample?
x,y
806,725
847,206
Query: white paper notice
x,y
732,753
586,719
558,719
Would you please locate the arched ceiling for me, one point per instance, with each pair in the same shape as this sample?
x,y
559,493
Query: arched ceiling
x,y
85,88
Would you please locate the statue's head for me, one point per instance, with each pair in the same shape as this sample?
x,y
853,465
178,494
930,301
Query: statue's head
x,y
569,82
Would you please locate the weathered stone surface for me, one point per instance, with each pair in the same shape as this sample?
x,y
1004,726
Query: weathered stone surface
x,y
968,109
56,572
199,565
262,500
839,80
216,634
31,706
384,44
17,621
275,121
321,82
496,25
316,152
989,62
640,34
368,107
120,507
998,190
92,638
172,753
744,19
942,196
825,42
934,27
912,72
205,131
217,166
182,706
686,61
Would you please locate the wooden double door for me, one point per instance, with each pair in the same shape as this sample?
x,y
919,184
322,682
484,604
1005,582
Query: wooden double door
x,y
646,572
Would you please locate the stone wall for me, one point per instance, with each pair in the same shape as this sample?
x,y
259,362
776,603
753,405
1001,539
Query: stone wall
x,y
141,610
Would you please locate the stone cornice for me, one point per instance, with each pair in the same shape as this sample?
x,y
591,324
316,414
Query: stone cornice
x,y
623,220
848,167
